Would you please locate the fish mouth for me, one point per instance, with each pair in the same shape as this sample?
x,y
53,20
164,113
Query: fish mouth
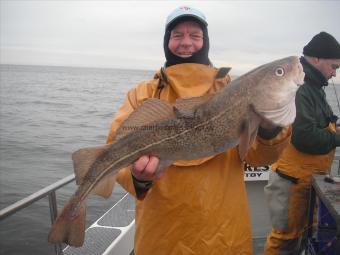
x,y
301,75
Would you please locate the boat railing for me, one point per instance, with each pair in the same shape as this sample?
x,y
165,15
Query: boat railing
x,y
49,191
337,158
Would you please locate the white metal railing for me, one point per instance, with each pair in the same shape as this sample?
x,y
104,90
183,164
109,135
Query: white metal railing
x,y
47,191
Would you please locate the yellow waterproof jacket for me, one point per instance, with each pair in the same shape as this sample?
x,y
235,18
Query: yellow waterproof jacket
x,y
198,206
299,165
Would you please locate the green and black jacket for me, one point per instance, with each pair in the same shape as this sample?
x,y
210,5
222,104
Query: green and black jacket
x,y
313,115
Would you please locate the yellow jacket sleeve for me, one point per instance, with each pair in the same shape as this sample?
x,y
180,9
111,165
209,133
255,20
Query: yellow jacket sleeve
x,y
265,152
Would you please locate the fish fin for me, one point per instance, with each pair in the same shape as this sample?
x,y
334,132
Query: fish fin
x,y
185,114
105,186
150,111
244,140
188,104
186,107
248,133
69,227
84,158
255,121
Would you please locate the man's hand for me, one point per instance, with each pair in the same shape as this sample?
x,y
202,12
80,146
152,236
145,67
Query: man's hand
x,y
145,168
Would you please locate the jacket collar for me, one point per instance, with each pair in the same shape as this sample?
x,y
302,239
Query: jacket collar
x,y
313,75
190,80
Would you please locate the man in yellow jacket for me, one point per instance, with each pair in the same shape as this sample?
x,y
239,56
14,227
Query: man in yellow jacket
x,y
311,149
197,206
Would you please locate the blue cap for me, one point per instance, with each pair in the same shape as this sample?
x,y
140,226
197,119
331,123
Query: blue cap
x,y
185,11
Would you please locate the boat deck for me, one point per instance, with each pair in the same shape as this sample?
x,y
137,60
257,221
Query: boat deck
x,y
113,232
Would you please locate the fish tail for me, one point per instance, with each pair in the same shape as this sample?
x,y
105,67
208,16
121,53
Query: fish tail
x,y
69,227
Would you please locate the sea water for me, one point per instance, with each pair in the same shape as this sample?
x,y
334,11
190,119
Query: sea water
x,y
46,113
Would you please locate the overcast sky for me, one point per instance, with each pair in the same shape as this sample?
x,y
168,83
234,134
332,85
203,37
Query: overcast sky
x,y
129,34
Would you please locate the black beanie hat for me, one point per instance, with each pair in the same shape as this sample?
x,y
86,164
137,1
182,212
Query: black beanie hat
x,y
323,45
199,57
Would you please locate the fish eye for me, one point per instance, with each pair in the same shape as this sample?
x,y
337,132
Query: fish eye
x,y
279,71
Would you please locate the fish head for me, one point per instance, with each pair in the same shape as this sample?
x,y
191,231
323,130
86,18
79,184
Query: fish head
x,y
275,85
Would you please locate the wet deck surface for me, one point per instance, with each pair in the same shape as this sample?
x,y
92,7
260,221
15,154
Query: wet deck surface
x,y
329,193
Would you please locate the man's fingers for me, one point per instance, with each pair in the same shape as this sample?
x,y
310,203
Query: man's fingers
x,y
140,164
145,168
152,165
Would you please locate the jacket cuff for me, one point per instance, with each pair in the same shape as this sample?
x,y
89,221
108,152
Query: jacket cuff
x,y
268,134
141,187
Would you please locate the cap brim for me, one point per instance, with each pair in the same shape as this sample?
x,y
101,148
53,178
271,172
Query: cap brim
x,y
189,16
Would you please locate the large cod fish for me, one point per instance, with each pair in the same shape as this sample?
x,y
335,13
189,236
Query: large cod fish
x,y
191,128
